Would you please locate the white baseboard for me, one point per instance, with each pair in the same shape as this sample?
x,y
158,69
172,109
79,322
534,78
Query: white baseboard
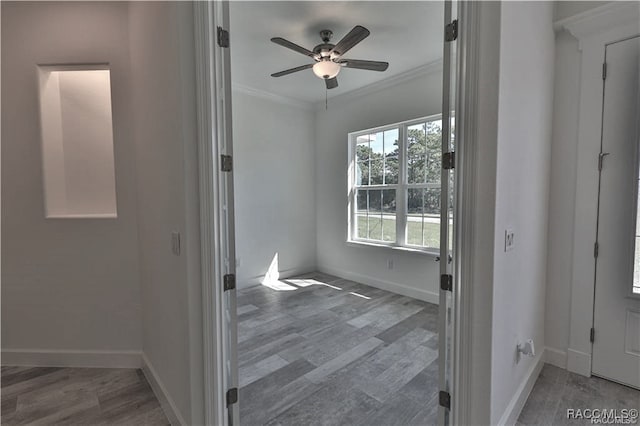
x,y
166,402
579,362
555,357
512,412
78,358
416,293
288,273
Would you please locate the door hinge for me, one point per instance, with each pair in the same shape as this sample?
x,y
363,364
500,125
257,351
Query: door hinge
x,y
232,396
596,249
229,282
451,31
226,163
444,398
592,334
449,160
604,70
223,37
601,160
446,282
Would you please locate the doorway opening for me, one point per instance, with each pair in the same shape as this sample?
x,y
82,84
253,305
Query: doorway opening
x,y
337,288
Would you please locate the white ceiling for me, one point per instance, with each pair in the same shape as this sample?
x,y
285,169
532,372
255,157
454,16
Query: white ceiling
x,y
405,34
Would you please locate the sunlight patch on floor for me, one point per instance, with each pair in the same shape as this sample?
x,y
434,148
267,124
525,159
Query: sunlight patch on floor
x,y
306,282
360,295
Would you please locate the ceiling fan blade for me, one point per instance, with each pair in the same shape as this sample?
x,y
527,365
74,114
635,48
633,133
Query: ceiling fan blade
x,y
365,65
291,70
355,36
289,45
332,83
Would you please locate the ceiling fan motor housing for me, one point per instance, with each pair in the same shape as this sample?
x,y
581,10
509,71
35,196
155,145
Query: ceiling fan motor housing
x,y
326,35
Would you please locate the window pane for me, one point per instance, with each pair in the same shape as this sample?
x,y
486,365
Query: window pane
x,y
423,217
362,173
391,169
415,209
424,152
391,152
361,213
431,219
362,148
377,170
377,144
434,151
375,214
389,215
416,153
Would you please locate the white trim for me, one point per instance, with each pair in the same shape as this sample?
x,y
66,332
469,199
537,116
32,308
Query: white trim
x,y
405,249
263,94
555,357
71,358
512,412
599,19
421,71
210,239
467,64
401,188
416,293
594,29
168,405
579,362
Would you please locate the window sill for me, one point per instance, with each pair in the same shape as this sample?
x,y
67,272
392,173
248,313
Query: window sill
x,y
426,252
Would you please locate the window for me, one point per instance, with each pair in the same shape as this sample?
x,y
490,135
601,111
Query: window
x,y
394,184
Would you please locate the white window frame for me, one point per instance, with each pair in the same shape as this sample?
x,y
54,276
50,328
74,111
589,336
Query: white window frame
x,y
401,188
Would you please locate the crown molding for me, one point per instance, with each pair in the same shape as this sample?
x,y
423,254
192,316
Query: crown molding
x,y
421,71
599,19
263,94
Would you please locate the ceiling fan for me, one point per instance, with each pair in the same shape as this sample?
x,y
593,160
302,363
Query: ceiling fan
x,y
328,57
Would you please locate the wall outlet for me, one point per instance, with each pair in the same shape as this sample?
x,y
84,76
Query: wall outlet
x,y
175,243
509,239
389,263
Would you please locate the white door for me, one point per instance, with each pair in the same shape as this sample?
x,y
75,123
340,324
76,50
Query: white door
x,y
616,334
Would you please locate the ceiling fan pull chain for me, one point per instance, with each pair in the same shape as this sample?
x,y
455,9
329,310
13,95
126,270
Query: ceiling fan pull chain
x,y
326,100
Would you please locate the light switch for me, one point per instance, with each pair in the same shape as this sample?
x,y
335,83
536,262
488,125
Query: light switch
x,y
175,243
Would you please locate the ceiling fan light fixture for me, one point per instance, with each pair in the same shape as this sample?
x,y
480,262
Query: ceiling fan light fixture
x,y
326,69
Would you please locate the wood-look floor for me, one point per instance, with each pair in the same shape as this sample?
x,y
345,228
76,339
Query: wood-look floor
x,y
319,350
557,390
78,396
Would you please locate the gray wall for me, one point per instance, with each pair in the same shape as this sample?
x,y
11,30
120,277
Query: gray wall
x,y
273,147
522,193
163,94
67,284
413,274
80,286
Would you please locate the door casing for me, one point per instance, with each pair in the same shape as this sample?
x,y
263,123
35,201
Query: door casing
x,y
216,224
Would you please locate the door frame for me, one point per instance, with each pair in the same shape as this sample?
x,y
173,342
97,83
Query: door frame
x,y
594,30
213,113
217,250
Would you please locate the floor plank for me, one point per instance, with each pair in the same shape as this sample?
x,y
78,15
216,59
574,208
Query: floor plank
x,y
556,390
354,353
78,396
